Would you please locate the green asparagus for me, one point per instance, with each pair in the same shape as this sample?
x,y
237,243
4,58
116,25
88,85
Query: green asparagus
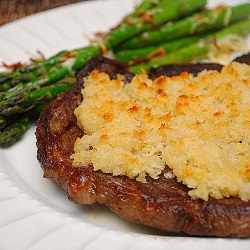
x,y
62,56
24,86
132,26
195,50
39,68
146,5
15,130
198,23
18,125
14,124
154,17
2,122
27,73
134,56
25,100
11,79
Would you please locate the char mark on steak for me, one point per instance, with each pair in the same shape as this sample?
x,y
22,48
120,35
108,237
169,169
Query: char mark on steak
x,y
243,59
177,69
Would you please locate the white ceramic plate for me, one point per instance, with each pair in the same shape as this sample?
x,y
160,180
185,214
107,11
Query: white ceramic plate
x,y
34,213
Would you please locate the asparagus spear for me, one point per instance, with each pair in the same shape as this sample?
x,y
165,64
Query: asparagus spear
x,y
9,80
2,122
146,5
197,23
12,127
25,100
164,12
18,125
31,72
131,26
15,130
195,50
134,56
46,71
24,74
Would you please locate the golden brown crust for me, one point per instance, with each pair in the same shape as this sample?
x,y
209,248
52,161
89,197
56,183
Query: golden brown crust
x,y
162,203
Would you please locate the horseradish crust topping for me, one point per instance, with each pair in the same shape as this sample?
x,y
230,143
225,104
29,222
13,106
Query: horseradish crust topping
x,y
198,126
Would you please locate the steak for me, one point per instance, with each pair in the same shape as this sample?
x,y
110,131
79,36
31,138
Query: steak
x,y
177,69
160,203
243,59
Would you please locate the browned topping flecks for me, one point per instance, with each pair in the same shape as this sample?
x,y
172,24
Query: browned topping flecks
x,y
198,126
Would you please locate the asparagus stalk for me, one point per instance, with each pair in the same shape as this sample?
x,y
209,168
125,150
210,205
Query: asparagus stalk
x,y
13,126
18,125
2,122
198,23
146,5
15,130
32,71
134,56
131,26
26,100
47,71
162,13
195,50
9,80
24,74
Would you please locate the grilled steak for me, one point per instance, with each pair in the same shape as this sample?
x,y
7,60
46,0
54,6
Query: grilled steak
x,y
243,59
161,203
176,69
